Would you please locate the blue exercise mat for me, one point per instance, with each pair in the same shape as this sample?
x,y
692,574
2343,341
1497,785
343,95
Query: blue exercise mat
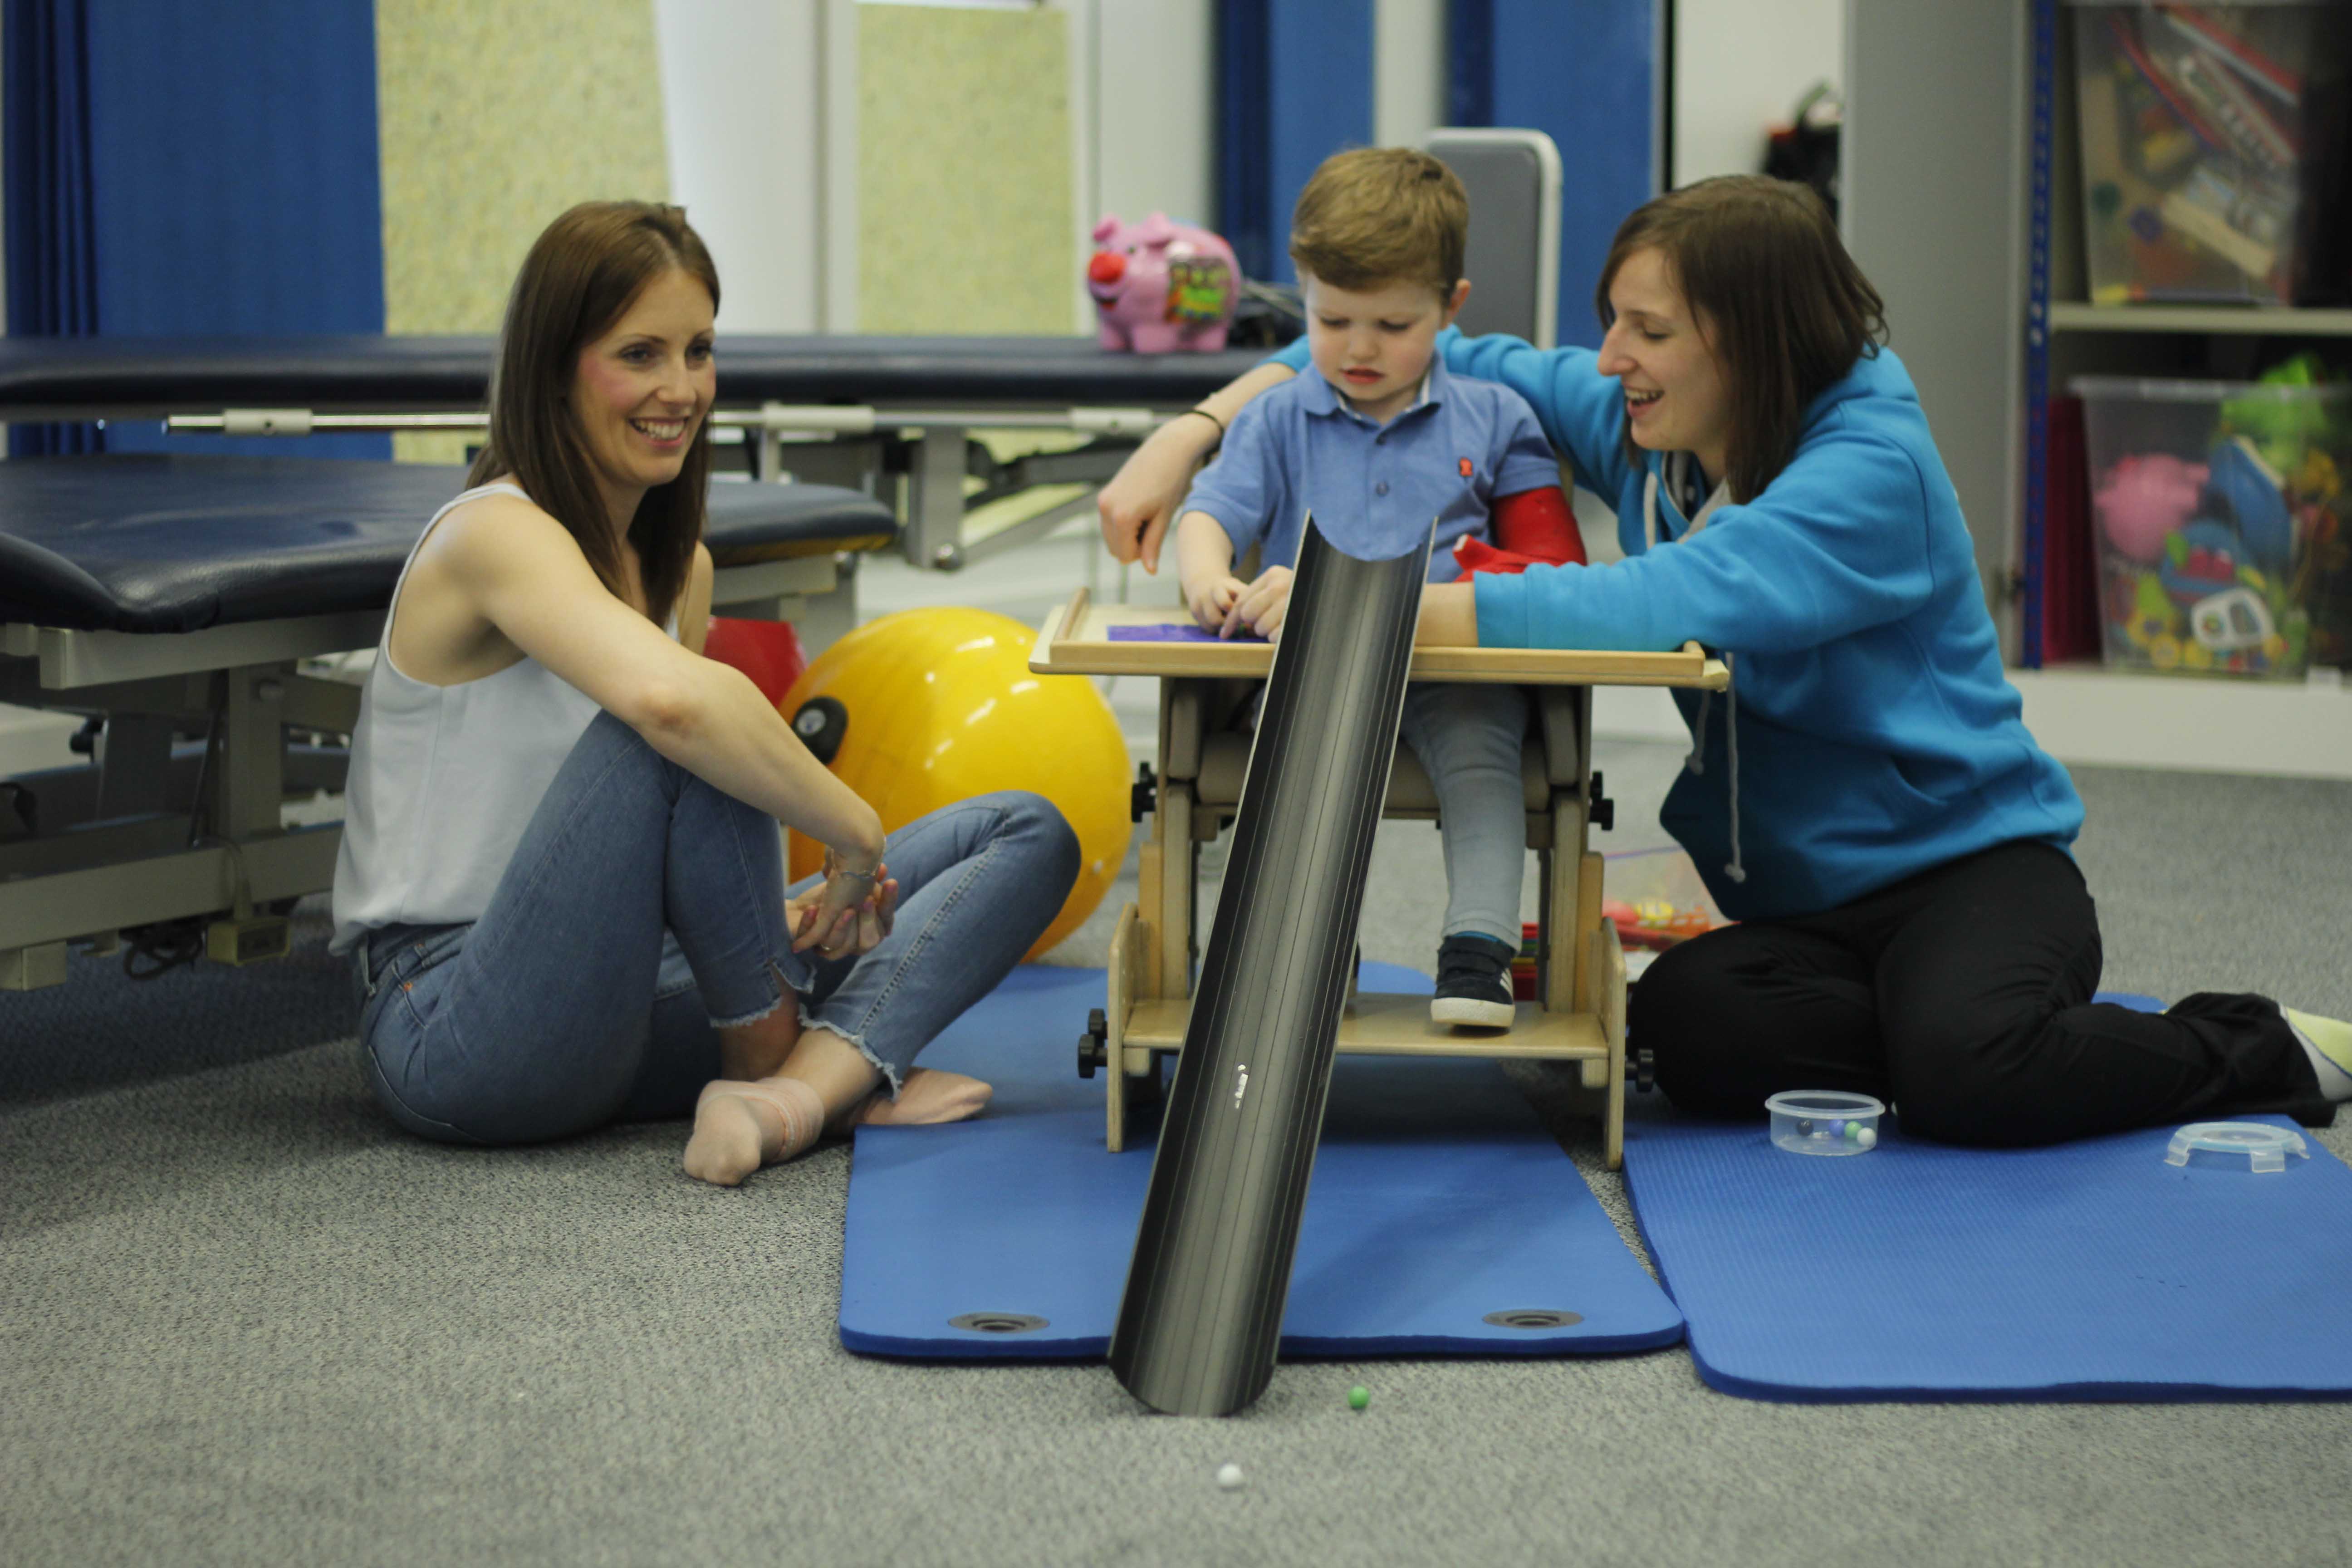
x,y
1919,1271
1438,1200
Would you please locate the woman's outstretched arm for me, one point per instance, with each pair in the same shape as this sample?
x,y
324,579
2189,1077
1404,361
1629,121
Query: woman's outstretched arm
x,y
1449,616
526,576
1140,503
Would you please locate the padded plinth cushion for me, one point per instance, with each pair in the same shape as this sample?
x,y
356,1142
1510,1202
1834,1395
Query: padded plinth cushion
x,y
137,543
70,377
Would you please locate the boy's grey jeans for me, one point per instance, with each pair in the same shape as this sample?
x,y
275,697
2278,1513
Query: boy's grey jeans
x,y
1469,738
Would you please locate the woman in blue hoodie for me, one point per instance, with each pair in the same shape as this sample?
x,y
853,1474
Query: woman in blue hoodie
x,y
1865,799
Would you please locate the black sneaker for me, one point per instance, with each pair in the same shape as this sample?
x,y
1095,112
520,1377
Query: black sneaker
x,y
1473,983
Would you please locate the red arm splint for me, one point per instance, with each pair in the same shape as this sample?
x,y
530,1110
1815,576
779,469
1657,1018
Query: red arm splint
x,y
1533,528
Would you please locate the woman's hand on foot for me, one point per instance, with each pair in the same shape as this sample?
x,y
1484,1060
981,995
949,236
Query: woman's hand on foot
x,y
819,919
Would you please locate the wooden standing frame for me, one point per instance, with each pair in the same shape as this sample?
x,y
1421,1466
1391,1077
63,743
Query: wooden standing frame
x,y
1581,1016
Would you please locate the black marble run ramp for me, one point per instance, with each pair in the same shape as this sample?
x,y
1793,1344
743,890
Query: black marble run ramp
x,y
1200,1319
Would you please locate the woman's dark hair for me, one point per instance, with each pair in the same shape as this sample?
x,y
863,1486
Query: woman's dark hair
x,y
580,277
1786,310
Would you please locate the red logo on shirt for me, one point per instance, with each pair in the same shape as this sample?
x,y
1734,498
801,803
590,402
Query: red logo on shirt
x,y
1466,468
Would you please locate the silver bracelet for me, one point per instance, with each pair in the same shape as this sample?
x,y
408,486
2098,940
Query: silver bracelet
x,y
834,868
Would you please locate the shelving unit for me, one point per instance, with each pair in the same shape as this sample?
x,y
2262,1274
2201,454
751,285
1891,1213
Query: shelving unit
x,y
2209,320
1944,177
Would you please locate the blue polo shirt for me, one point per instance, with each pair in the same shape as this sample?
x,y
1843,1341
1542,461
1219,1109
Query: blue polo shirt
x,y
1373,488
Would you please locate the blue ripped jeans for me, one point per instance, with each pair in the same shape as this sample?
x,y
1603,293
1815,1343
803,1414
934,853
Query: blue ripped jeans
x,y
642,911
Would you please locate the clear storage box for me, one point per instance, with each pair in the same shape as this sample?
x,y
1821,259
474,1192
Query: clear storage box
x,y
2218,506
2208,147
1825,1121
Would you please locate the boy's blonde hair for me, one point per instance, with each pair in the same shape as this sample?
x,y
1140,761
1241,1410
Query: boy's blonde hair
x,y
1371,216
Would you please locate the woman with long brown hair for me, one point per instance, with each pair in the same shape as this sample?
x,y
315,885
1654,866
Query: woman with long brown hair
x,y
561,880
1865,800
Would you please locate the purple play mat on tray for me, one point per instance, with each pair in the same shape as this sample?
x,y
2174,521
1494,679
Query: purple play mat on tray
x,y
1174,632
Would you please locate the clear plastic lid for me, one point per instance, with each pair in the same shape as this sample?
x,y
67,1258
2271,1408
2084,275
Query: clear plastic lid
x,y
2136,389
1823,1102
2264,1148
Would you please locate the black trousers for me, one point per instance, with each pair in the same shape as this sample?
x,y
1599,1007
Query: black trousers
x,y
1962,996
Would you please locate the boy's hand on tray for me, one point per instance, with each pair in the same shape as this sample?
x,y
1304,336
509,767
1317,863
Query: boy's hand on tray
x,y
1211,600
1262,606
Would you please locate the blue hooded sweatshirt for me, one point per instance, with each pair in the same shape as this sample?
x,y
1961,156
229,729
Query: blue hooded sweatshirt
x,y
1871,733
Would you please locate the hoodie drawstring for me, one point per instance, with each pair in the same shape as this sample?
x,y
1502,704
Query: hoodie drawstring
x,y
1735,871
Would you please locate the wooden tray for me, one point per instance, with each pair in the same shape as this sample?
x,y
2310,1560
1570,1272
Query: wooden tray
x,y
1076,640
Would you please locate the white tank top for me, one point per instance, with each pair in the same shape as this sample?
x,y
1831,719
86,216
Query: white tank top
x,y
445,779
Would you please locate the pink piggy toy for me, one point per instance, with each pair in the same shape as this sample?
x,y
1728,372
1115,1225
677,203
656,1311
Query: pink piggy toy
x,y
2143,500
1159,286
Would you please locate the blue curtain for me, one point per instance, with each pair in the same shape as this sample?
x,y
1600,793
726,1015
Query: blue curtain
x,y
225,179
1242,91
51,251
1470,63
1294,86
1588,72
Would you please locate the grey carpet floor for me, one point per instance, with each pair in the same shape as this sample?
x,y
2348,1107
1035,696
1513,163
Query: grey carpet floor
x,y
244,1320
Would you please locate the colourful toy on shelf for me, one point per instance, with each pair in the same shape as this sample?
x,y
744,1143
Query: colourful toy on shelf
x,y
2142,612
2221,538
2317,480
1158,286
2193,139
2254,495
2143,500
2199,561
2283,424
2234,621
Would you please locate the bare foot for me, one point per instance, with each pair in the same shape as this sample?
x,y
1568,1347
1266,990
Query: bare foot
x,y
740,1126
927,1098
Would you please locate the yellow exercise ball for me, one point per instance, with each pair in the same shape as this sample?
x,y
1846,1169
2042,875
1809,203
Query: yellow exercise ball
x,y
925,708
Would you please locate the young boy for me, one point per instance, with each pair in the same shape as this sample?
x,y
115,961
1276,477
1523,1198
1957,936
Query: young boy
x,y
1381,440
